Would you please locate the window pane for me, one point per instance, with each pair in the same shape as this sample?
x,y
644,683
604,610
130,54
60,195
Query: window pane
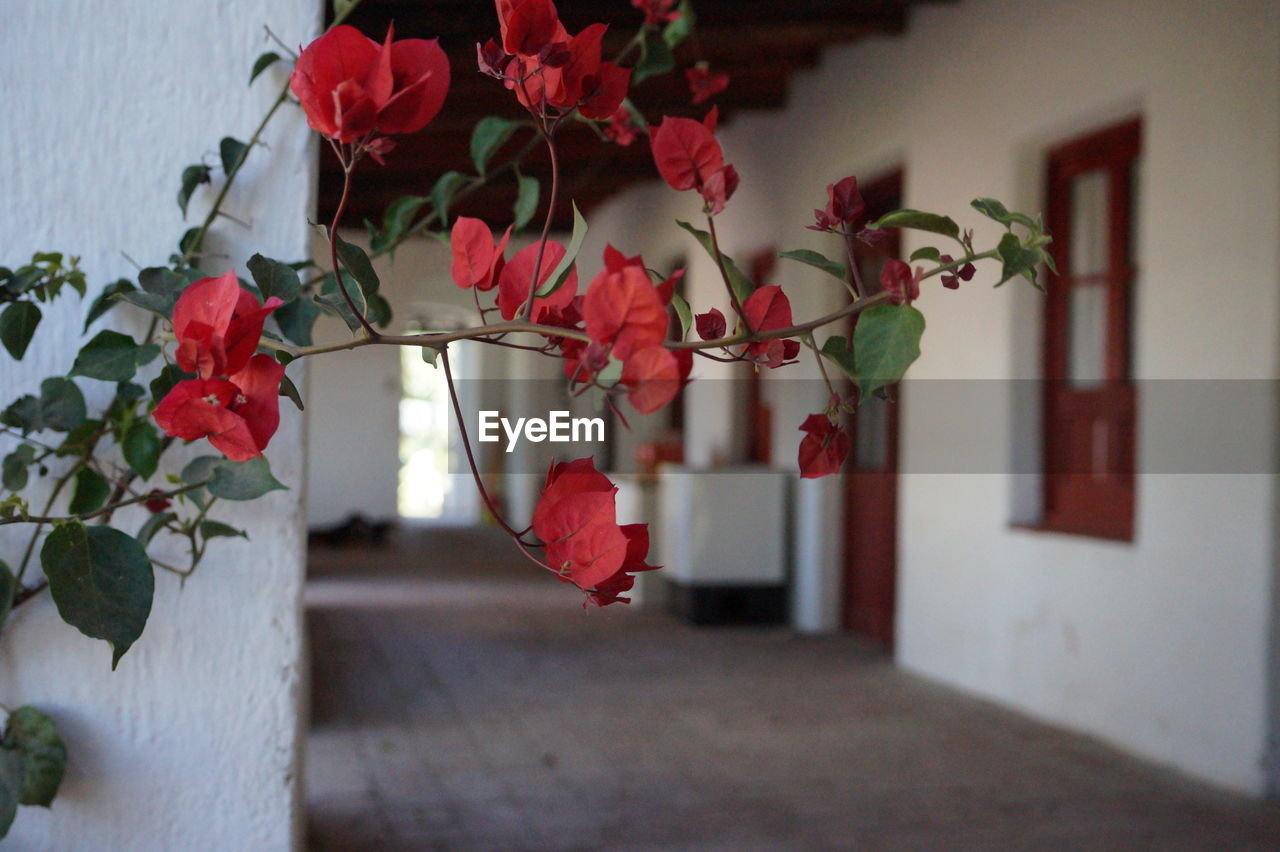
x,y
1087,335
1089,224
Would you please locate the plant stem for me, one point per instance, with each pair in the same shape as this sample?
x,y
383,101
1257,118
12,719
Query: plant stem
x,y
347,167
527,311
724,274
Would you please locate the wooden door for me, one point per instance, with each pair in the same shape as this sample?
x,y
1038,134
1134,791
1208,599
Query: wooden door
x,y
871,475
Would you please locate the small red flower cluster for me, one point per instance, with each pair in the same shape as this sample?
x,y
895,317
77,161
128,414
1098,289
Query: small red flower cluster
x,y
576,517
704,84
353,89
547,68
657,12
234,399
689,157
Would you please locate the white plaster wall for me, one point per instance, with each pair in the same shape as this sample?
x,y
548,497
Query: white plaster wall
x,y
1160,646
193,743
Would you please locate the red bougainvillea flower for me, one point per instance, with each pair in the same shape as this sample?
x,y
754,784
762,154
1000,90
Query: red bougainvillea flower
x,y
654,376
620,129
703,84
657,12
156,502
218,325
238,414
824,448
711,325
529,26
769,309
897,279
477,260
576,517
689,157
623,308
844,206
513,282
951,280
568,73
351,87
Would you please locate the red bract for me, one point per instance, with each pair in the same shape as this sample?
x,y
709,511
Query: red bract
x,y
529,26
711,325
824,448
156,502
768,309
657,12
513,282
570,74
689,157
897,279
477,260
844,206
218,325
350,87
576,517
620,128
238,415
622,307
703,84
654,376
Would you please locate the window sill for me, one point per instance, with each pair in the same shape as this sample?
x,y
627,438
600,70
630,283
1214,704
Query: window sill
x,y
1078,531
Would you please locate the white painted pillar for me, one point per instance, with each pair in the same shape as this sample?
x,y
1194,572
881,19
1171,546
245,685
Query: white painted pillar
x,y
193,743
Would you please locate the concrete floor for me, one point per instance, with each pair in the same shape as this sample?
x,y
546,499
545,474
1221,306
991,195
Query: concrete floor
x,y
475,705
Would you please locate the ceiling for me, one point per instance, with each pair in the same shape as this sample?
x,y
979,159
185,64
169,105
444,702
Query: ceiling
x,y
760,44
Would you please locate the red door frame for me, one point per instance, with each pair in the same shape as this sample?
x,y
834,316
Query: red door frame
x,y
871,495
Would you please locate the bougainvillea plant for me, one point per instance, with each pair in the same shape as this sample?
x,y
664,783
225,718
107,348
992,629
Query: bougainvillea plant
x,y
213,364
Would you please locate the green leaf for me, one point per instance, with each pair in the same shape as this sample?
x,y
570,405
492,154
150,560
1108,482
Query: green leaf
x,y
816,260
62,405
684,312
358,264
17,325
741,284
526,200
656,58
561,273
32,737
192,176
838,352
296,320
232,480
1016,260
446,187
490,134
262,63
397,219
274,278
993,209
331,298
160,290
380,313
90,493
217,529
107,300
11,774
290,391
677,31
169,376
886,341
141,448
430,355
15,467
927,253
110,356
232,152
101,581
153,525
919,221
8,585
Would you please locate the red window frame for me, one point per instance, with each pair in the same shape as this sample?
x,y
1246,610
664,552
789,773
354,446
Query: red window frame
x,y
1089,431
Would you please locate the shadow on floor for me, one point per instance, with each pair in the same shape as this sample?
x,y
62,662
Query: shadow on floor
x,y
463,701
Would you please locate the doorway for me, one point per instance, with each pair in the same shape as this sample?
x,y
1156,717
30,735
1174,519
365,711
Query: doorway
x,y
871,477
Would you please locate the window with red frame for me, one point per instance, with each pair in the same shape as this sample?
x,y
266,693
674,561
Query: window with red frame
x,y
1089,395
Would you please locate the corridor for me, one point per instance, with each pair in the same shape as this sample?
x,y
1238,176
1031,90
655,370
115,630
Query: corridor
x,y
463,701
